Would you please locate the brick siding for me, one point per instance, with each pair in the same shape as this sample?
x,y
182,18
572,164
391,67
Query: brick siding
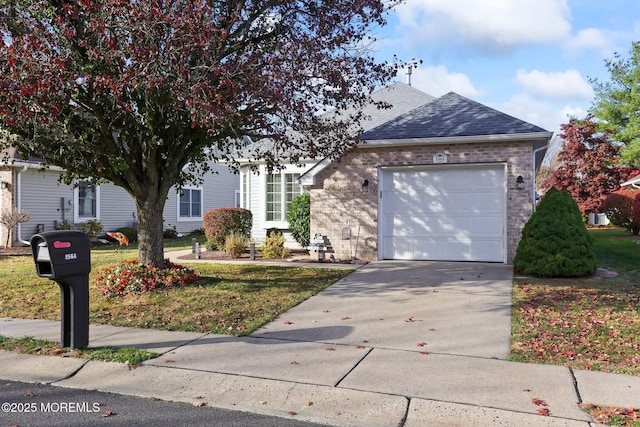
x,y
338,205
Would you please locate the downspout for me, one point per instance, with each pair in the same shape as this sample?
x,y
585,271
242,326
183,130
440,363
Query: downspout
x,y
19,202
533,190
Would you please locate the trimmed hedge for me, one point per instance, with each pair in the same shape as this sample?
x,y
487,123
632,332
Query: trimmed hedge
x,y
219,223
622,210
555,241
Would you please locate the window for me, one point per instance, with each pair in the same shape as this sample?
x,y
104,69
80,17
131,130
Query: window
x,y
281,187
190,203
87,201
274,197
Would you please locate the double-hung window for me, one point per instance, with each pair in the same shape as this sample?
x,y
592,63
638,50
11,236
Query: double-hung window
x,y
190,204
86,201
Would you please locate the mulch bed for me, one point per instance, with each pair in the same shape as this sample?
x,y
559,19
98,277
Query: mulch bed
x,y
19,251
296,256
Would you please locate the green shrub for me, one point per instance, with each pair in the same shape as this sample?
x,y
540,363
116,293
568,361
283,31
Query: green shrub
x,y
555,242
299,218
619,208
274,246
91,227
170,233
219,223
235,244
211,246
130,232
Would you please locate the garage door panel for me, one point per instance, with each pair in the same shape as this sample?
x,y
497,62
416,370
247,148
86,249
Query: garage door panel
x,y
455,213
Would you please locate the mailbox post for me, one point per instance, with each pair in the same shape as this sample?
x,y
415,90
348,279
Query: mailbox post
x,y
65,257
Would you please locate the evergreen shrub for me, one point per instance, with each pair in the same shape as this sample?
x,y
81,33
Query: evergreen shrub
x,y
299,218
555,241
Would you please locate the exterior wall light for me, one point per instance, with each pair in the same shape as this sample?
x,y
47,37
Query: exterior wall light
x,y
365,186
520,183
4,185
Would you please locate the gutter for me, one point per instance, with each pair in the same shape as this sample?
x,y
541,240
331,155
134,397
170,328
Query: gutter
x,y
535,152
19,201
507,137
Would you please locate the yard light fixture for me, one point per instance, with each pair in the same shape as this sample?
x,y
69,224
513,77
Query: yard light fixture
x,y
365,186
520,182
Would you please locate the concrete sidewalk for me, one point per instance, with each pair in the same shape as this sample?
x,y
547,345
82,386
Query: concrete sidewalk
x,y
394,343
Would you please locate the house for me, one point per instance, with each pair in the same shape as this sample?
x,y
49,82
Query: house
x,y
24,185
268,196
446,179
633,183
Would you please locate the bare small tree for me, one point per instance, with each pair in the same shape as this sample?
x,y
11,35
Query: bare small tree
x,y
10,218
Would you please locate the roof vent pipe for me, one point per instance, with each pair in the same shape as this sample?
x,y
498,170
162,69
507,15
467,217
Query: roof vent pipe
x,y
408,73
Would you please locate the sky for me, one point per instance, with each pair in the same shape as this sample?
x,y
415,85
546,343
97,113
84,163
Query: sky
x,y
532,59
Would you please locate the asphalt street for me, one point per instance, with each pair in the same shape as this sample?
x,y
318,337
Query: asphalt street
x,y
36,405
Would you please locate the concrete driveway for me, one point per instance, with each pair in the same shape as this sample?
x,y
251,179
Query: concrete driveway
x,y
453,308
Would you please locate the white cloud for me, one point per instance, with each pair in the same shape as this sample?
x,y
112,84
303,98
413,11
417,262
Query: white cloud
x,y
591,39
437,80
492,25
532,111
565,85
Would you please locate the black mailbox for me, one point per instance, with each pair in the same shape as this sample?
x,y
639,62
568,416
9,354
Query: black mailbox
x,y
65,257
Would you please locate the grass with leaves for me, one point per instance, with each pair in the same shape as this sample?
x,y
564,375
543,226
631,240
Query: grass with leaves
x,y
228,299
584,323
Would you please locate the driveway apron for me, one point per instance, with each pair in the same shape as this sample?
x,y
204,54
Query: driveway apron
x,y
455,308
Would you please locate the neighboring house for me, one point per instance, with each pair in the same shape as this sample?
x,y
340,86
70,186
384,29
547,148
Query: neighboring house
x,y
433,179
633,183
25,186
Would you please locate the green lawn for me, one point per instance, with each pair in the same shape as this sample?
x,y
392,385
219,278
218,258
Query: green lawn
x,y
230,299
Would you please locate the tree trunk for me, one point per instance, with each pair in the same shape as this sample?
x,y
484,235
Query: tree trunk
x,y
151,230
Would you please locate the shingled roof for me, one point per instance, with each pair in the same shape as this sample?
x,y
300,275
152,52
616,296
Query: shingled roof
x,y
451,115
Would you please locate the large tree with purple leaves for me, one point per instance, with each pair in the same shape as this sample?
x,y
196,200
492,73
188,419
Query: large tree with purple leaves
x,y
147,93
588,168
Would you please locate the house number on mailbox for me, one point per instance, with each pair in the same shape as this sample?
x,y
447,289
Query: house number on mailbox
x,y
70,256
440,158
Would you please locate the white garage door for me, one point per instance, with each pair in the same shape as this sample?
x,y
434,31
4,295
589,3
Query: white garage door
x,y
443,213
